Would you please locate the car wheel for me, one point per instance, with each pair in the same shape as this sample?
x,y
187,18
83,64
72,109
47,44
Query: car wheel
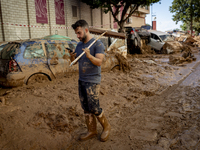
x,y
37,78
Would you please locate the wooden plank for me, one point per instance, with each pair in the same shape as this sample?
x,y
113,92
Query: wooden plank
x,y
108,33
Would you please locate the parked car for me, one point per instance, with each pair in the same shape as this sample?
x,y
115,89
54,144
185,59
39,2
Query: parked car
x,y
30,61
133,40
135,36
158,39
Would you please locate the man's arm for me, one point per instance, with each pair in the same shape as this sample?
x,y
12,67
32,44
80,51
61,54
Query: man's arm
x,y
97,60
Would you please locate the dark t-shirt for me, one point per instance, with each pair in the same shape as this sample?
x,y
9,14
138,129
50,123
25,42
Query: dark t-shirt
x,y
88,72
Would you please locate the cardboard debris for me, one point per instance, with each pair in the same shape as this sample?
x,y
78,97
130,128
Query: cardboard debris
x,y
118,46
187,56
197,43
174,46
186,39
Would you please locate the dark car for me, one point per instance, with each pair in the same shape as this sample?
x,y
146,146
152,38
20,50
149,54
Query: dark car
x,y
135,38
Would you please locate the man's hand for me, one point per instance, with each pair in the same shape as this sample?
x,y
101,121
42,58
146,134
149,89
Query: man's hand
x,y
72,56
87,52
96,60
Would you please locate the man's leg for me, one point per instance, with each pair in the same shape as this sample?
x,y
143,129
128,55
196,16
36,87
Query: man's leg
x,y
90,119
94,107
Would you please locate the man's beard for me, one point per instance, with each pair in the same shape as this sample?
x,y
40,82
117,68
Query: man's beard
x,y
83,39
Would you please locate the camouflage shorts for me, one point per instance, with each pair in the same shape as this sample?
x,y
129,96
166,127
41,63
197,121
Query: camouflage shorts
x,y
89,97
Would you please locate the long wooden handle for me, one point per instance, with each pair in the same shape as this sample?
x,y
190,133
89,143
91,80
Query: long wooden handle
x,y
73,62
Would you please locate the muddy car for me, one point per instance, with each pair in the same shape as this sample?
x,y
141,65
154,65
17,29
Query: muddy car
x,y
23,62
2,45
133,40
158,39
136,37
30,61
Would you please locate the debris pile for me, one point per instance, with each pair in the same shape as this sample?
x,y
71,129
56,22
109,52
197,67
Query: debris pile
x,y
187,56
197,43
146,49
173,47
123,63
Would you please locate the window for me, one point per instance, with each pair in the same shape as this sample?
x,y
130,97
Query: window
x,y
9,51
74,11
155,37
55,50
34,51
147,7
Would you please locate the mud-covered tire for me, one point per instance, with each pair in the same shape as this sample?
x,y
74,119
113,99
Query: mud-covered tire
x,y
37,78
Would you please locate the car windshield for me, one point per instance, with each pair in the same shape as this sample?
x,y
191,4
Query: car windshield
x,y
9,51
166,37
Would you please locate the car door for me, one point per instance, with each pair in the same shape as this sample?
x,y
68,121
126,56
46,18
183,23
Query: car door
x,y
55,59
155,42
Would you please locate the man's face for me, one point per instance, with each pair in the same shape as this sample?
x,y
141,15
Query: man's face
x,y
81,34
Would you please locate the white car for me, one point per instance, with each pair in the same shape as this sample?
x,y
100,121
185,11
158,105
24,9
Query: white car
x,y
158,39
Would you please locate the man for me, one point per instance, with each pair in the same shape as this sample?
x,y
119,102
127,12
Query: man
x,y
89,80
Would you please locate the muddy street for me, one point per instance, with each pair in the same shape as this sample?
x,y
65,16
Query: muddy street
x,y
155,106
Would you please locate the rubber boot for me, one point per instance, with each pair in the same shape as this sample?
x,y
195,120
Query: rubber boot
x,y
106,127
91,125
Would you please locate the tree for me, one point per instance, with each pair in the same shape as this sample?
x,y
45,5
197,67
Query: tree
x,y
114,6
186,11
184,26
196,26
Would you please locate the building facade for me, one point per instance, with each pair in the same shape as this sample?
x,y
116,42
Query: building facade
x,y
26,19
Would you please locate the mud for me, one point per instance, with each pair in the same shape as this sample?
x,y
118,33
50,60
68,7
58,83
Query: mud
x,y
153,106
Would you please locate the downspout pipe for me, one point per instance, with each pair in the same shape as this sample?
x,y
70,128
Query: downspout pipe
x,y
2,26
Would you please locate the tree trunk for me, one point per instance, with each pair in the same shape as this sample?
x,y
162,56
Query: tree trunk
x,y
121,26
191,24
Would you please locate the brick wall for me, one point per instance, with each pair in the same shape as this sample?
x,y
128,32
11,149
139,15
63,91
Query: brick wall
x,y
23,12
85,12
14,11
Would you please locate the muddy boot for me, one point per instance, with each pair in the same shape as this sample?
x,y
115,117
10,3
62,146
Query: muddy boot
x,y
106,127
91,125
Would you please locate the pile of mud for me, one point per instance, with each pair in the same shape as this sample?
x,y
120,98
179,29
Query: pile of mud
x,y
121,57
146,49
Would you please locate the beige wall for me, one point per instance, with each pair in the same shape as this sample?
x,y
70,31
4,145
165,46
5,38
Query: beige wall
x,y
96,17
14,11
